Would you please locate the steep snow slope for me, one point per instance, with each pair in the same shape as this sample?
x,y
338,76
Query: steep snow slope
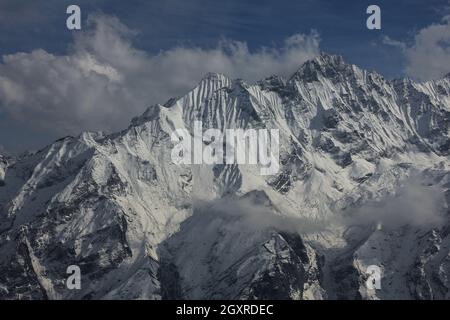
x,y
356,151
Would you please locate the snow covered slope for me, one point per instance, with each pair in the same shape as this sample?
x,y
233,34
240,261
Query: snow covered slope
x,y
364,180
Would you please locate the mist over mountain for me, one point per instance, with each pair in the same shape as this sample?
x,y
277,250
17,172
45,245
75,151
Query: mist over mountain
x,y
364,180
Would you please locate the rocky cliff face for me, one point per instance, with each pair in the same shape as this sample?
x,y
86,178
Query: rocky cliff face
x,y
363,180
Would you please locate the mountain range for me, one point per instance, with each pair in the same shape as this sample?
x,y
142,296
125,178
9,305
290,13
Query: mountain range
x,y
364,180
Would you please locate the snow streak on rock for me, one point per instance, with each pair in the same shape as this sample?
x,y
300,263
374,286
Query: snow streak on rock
x,y
140,226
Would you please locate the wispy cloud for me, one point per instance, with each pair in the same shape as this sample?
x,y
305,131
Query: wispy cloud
x,y
414,203
395,43
250,215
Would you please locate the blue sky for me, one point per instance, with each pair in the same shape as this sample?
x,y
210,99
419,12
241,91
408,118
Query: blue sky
x,y
161,25
166,23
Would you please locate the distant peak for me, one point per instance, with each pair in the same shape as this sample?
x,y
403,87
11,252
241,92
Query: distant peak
x,y
213,80
326,65
88,135
214,76
329,59
272,82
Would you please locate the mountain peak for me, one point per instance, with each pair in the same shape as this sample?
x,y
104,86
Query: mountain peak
x,y
345,150
215,76
325,65
212,81
329,59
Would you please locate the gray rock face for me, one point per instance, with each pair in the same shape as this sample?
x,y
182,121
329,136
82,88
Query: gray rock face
x,y
363,181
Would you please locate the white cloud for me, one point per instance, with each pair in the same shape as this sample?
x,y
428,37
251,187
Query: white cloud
x,y
428,57
104,81
247,214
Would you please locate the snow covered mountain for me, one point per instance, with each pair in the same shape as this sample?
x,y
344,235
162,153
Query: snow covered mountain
x,y
364,180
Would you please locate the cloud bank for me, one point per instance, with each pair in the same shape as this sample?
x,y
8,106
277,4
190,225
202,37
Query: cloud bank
x,y
249,215
104,81
414,203
428,57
